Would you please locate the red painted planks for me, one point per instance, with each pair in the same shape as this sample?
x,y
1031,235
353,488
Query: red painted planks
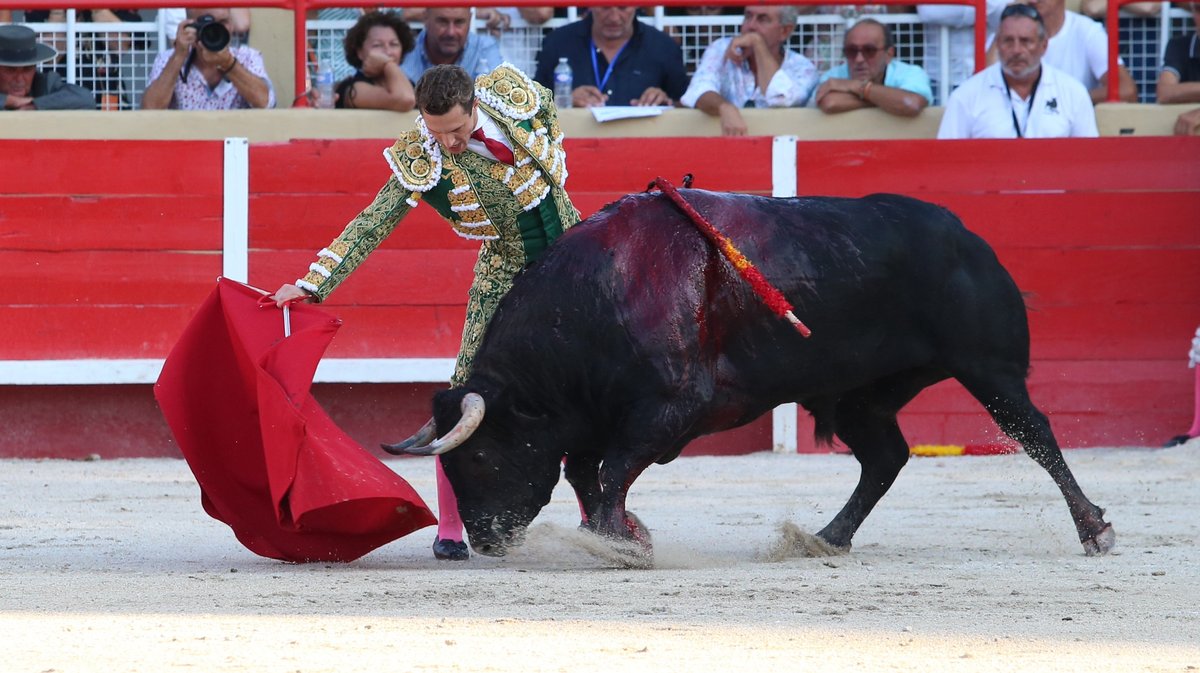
x,y
319,167
149,331
83,167
111,222
387,277
1106,276
81,330
624,165
283,221
1071,220
998,166
110,277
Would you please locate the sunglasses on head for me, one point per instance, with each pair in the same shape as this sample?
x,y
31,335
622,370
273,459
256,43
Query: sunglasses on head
x,y
1026,11
868,51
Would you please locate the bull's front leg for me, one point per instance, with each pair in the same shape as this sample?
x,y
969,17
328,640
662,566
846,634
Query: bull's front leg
x,y
583,474
612,520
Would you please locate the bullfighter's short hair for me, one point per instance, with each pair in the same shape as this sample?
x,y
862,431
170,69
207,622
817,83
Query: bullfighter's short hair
x,y
443,87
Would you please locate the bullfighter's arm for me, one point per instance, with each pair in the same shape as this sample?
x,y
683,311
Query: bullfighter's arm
x,y
364,233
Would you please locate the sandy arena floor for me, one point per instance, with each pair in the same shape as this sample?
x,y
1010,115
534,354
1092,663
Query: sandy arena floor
x,y
969,564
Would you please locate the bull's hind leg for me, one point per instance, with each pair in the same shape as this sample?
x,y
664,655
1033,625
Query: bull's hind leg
x,y
881,452
1007,399
866,422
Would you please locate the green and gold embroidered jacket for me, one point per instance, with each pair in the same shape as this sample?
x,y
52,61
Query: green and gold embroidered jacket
x,y
516,210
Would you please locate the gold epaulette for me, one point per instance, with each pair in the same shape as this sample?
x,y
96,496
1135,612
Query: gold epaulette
x,y
509,91
417,166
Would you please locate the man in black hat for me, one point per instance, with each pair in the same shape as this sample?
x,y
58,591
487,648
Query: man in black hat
x,y
23,87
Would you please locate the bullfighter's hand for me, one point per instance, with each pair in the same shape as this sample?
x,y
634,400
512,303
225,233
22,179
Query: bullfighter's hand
x,y
289,293
652,96
588,96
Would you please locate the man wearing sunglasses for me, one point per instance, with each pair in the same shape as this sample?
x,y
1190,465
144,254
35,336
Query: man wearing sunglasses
x,y
873,77
1021,96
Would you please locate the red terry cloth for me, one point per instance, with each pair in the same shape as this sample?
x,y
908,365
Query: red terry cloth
x,y
269,461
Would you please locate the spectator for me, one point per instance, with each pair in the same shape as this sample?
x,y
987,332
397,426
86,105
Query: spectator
x,y
959,21
754,69
1021,96
1179,80
455,160
1079,47
23,87
615,58
447,39
375,46
191,77
1188,123
872,76
1098,9
239,22
519,45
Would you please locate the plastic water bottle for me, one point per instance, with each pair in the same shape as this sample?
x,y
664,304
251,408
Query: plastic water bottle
x,y
564,83
323,85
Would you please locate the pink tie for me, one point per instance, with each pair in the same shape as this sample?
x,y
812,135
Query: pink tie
x,y
496,147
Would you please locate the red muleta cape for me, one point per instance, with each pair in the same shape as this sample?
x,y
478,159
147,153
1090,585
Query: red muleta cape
x,y
269,461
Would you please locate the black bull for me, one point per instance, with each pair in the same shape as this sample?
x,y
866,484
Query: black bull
x,y
633,336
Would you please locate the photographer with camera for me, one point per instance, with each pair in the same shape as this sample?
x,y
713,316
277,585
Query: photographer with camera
x,y
203,72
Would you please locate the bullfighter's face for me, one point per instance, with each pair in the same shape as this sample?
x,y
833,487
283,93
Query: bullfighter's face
x,y
451,130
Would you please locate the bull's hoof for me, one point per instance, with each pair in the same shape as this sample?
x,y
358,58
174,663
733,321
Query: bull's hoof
x,y
638,530
794,542
1101,543
450,550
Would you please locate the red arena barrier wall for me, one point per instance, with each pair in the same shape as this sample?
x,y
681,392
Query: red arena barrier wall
x,y
110,245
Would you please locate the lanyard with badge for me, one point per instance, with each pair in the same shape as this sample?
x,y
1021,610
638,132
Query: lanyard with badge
x,y
1029,111
608,72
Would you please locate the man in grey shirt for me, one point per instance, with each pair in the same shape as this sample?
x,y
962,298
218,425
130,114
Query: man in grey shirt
x,y
23,87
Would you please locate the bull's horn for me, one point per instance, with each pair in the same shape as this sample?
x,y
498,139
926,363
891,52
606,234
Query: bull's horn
x,y
424,436
472,415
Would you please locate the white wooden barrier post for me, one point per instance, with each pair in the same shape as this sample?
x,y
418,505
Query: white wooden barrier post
x,y
783,184
235,257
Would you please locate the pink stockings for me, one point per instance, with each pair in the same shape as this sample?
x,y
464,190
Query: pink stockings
x,y
450,525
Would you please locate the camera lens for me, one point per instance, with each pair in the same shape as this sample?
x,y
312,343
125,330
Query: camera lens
x,y
212,34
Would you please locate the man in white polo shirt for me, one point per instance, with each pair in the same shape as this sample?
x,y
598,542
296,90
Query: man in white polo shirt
x,y
1020,96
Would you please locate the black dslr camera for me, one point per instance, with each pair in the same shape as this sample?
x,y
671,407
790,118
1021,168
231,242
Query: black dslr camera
x,y
211,33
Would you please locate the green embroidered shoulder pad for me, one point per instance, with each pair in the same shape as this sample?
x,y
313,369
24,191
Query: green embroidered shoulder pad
x,y
416,165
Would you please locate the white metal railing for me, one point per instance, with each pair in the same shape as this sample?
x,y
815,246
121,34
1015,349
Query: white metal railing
x,y
114,59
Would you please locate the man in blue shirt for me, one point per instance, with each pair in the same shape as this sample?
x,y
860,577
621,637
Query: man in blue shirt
x,y
872,77
447,40
615,60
